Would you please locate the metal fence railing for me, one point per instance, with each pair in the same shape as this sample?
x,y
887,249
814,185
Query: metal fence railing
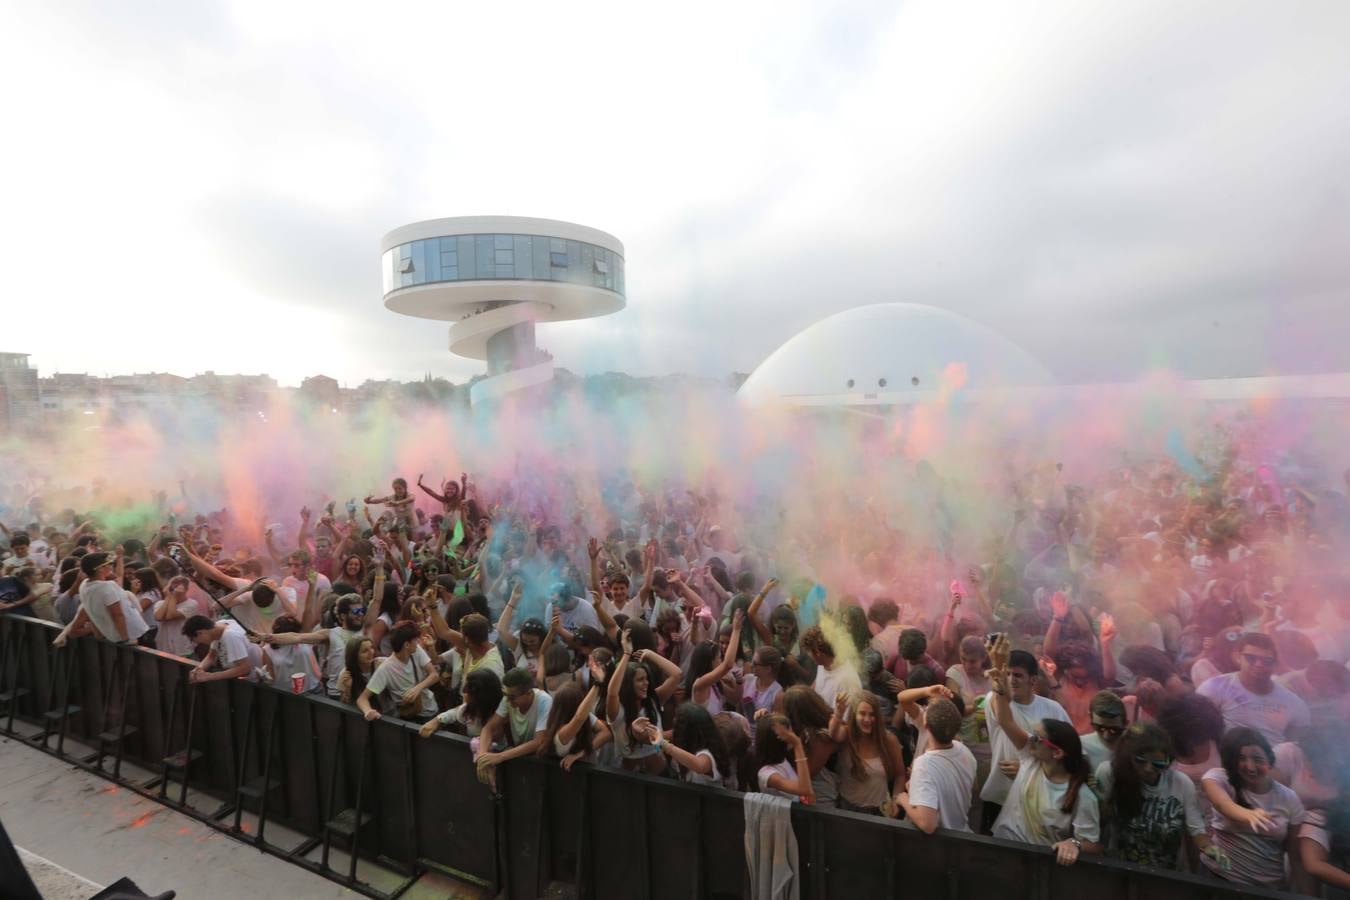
x,y
411,805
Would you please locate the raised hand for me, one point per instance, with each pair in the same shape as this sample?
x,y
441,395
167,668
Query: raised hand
x,y
999,649
304,513
973,574
769,586
1047,665
1059,605
1108,627
593,549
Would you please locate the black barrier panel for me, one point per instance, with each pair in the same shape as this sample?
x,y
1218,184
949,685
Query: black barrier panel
x,y
614,833
620,843
524,787
455,814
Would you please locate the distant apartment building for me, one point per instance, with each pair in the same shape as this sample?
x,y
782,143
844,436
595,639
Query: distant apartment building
x,y
20,410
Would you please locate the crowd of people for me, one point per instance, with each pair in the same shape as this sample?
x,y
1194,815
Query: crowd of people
x,y
1150,665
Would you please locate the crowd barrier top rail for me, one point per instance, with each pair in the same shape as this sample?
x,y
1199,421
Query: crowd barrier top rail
x,y
411,804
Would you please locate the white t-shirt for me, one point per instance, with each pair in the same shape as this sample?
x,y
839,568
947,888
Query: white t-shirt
x,y
1083,823
148,611
1258,858
233,645
1095,749
787,768
394,677
525,725
259,619
96,597
944,780
336,660
460,716
715,779
831,682
1272,714
969,688
170,637
1001,746
292,659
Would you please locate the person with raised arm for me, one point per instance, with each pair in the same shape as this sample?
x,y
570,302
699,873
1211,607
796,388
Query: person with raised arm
x,y
573,731
351,613
871,764
783,767
1012,710
452,493
171,611
942,780
630,697
400,502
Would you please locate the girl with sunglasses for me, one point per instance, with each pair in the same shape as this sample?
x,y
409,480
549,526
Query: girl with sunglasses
x,y
1154,805
1050,803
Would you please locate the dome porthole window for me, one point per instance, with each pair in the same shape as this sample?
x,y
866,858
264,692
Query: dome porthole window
x,y
881,382
850,382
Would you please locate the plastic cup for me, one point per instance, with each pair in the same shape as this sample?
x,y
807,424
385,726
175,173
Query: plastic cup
x,y
298,683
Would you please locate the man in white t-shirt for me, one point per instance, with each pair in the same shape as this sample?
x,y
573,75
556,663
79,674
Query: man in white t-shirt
x,y
297,580
1106,713
1028,708
1251,698
405,677
229,646
942,780
832,676
172,610
522,715
112,611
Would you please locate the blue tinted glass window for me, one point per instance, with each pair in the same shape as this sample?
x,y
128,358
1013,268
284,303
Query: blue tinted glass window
x,y
502,241
558,260
542,268
431,252
557,245
587,273
450,274
419,272
486,255
522,256
504,257
506,271
574,272
465,256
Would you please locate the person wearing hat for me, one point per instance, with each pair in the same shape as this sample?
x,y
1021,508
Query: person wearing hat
x,y
105,606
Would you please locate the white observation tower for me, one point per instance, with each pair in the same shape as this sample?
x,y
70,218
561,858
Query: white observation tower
x,y
493,278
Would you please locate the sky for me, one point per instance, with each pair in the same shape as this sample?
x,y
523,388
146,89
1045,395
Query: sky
x,y
1116,187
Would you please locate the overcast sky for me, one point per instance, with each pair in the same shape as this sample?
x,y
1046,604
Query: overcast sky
x,y
195,185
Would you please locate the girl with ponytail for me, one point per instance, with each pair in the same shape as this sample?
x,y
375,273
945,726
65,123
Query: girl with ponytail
x,y
1048,803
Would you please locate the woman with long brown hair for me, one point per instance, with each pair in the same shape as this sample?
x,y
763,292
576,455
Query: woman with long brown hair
x,y
871,765
810,719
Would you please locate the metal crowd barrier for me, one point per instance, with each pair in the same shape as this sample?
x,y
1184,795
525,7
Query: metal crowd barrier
x,y
410,805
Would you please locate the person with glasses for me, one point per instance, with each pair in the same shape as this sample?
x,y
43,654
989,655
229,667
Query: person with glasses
x,y
1050,803
351,615
1012,708
1106,713
1255,818
1153,804
1251,698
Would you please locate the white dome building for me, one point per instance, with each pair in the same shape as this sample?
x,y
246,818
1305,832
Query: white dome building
x,y
888,353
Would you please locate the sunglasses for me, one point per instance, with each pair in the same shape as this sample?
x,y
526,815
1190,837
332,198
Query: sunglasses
x,y
1035,738
1113,730
1258,660
357,611
1162,765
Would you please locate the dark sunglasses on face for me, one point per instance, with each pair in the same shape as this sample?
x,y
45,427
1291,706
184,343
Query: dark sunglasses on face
x,y
1256,659
357,611
1162,765
1113,730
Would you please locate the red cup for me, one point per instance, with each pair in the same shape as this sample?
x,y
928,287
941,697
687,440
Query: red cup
x,y
298,683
